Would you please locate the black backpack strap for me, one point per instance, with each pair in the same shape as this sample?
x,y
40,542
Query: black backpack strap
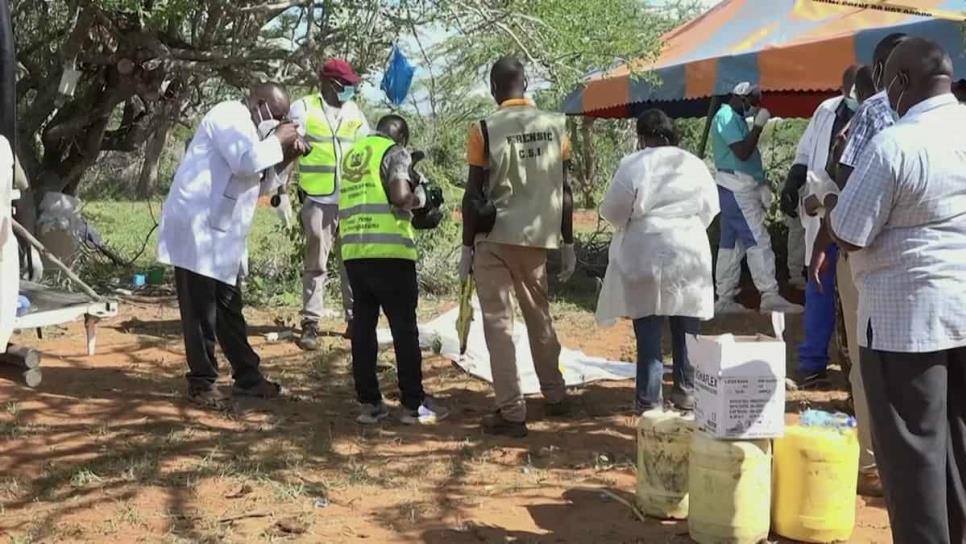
x,y
485,132
486,138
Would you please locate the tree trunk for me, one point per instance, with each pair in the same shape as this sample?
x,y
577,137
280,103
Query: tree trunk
x,y
589,161
153,149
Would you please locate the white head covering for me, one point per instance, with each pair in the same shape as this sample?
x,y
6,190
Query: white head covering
x,y
743,89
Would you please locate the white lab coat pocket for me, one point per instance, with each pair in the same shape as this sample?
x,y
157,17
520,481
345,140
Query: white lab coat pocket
x,y
223,207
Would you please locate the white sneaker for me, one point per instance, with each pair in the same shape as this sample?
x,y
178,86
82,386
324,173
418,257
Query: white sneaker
x,y
428,413
372,414
773,302
727,306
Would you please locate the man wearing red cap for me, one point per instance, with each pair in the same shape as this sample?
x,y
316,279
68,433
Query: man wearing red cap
x,y
332,123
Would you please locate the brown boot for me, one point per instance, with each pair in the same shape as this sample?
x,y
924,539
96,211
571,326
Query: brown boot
x,y
869,483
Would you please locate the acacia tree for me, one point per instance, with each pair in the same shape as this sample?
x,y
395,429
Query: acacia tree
x,y
146,64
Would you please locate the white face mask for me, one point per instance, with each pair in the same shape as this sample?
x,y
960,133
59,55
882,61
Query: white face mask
x,y
266,126
898,106
347,93
852,100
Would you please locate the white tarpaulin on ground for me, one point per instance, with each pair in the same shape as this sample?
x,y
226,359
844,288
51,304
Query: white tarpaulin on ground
x,y
578,368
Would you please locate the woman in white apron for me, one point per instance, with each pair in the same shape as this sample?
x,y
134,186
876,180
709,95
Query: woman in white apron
x,y
661,201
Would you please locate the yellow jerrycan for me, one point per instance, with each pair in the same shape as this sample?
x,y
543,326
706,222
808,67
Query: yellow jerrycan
x,y
730,490
815,476
663,444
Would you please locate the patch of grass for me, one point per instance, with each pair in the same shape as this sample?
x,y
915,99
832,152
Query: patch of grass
x,y
140,469
287,491
84,477
10,487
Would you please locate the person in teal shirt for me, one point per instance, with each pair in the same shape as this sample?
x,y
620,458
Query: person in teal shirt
x,y
745,198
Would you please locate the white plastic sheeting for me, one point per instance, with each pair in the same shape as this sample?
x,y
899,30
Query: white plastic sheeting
x,y
578,368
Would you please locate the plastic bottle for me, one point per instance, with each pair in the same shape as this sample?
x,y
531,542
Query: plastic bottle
x,y
663,443
829,420
730,490
815,476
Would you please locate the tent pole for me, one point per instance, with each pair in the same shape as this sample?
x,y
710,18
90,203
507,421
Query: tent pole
x,y
712,109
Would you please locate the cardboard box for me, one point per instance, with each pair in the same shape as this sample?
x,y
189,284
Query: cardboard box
x,y
739,384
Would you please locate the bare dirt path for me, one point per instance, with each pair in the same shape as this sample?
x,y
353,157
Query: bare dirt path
x,y
107,450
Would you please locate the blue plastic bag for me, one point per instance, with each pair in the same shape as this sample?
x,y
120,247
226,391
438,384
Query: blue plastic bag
x,y
398,78
23,305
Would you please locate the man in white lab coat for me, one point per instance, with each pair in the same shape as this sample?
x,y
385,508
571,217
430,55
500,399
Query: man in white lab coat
x,y
805,181
235,154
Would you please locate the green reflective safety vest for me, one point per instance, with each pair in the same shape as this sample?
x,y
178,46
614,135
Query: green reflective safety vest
x,y
317,171
369,226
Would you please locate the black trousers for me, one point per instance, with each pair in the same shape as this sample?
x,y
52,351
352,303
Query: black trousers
x,y
389,284
917,403
211,309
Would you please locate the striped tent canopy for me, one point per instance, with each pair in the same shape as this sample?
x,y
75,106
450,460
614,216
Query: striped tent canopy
x,y
796,50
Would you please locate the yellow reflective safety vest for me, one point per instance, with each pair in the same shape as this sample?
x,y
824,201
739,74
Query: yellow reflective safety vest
x,y
318,170
369,226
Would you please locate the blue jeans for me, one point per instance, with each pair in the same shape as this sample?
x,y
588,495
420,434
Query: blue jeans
x,y
650,363
819,318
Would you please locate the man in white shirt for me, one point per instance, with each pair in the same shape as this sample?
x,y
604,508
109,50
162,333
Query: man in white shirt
x,y
903,218
204,227
805,179
332,123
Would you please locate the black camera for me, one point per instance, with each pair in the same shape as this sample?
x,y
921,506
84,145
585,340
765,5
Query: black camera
x,y
430,215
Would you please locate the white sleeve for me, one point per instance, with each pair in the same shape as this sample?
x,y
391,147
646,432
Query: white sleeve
x,y
710,204
364,129
803,154
618,203
298,113
237,142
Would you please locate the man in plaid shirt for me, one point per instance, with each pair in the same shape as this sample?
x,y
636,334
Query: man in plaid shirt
x,y
874,116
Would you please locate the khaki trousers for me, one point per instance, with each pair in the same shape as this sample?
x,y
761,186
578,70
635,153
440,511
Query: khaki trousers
x,y
502,271
850,313
320,224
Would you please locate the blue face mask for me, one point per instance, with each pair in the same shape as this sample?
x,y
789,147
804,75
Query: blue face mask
x,y
852,103
347,93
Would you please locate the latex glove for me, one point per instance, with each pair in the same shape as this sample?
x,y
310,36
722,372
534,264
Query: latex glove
x,y
766,195
761,119
466,263
789,203
568,262
420,193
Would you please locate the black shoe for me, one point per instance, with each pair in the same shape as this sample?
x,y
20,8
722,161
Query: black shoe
x,y
564,408
495,424
209,398
310,337
262,390
682,400
810,380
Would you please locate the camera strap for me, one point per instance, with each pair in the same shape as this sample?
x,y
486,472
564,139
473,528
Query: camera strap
x,y
484,131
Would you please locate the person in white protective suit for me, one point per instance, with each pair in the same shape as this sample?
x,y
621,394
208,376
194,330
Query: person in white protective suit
x,y
661,201
744,197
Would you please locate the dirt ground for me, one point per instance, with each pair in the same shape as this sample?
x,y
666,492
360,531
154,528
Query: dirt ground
x,y
107,449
